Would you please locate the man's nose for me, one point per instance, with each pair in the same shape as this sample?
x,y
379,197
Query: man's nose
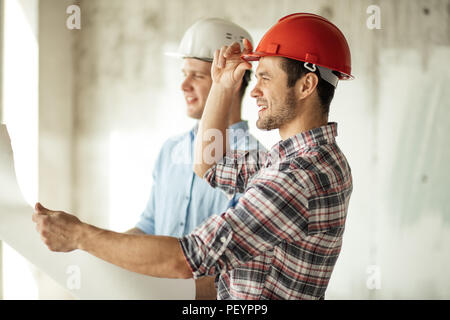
x,y
186,84
256,92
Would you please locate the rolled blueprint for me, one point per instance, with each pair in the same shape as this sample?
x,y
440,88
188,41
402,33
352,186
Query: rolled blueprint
x,y
82,274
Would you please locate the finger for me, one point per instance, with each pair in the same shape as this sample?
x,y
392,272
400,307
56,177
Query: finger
x,y
235,48
38,216
40,208
228,52
216,57
222,61
245,65
248,48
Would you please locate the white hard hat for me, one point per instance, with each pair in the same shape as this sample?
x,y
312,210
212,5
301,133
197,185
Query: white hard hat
x,y
207,35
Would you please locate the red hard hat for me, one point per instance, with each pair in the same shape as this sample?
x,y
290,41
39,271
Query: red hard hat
x,y
309,38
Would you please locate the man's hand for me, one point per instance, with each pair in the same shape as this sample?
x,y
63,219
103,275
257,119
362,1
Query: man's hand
x,y
156,256
60,231
228,67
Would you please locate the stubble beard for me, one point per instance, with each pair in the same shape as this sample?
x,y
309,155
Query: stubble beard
x,y
286,112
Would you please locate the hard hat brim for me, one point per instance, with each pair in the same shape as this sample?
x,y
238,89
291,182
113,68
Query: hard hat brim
x,y
256,56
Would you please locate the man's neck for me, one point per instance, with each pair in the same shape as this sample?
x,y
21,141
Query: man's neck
x,y
302,123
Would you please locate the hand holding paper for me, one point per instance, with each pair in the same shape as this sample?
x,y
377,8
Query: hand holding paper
x,y
98,279
60,231
157,256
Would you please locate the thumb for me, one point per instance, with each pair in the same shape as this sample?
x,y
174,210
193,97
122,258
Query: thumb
x,y
40,208
248,48
242,67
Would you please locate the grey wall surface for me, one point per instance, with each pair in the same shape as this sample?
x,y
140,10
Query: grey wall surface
x,y
394,125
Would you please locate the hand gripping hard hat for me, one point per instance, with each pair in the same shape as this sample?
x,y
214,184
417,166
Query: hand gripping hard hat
x,y
207,35
309,38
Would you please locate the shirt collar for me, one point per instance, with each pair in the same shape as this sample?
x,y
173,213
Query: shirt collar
x,y
194,130
314,137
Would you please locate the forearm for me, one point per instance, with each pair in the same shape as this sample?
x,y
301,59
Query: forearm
x,y
215,117
205,289
157,256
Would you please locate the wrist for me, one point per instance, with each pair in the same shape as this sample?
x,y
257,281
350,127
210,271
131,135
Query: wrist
x,y
84,234
226,89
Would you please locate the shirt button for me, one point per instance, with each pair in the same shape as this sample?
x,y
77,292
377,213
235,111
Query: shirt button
x,y
223,239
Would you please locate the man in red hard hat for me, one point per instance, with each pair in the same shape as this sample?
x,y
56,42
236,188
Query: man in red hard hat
x,y
282,239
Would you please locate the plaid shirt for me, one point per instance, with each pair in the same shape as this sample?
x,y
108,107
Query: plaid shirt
x,y
283,238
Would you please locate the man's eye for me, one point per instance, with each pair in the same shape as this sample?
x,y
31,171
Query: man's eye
x,y
262,78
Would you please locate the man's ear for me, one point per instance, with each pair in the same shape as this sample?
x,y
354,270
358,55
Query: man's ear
x,y
307,85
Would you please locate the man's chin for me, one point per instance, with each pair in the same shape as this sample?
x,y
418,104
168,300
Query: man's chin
x,y
264,125
193,114
261,127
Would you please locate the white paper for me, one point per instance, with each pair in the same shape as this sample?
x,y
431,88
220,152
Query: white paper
x,y
84,275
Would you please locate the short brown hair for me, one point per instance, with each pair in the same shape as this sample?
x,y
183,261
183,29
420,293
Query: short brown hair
x,y
295,70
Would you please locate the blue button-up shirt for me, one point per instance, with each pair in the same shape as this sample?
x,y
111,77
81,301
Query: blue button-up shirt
x,y
179,200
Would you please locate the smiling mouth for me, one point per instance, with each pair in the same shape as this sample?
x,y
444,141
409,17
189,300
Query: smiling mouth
x,y
261,108
190,99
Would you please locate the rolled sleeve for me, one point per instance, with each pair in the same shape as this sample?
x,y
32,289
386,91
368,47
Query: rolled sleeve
x,y
233,172
204,248
225,180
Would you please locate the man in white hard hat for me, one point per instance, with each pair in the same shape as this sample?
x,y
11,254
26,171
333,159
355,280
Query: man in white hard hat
x,y
179,200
